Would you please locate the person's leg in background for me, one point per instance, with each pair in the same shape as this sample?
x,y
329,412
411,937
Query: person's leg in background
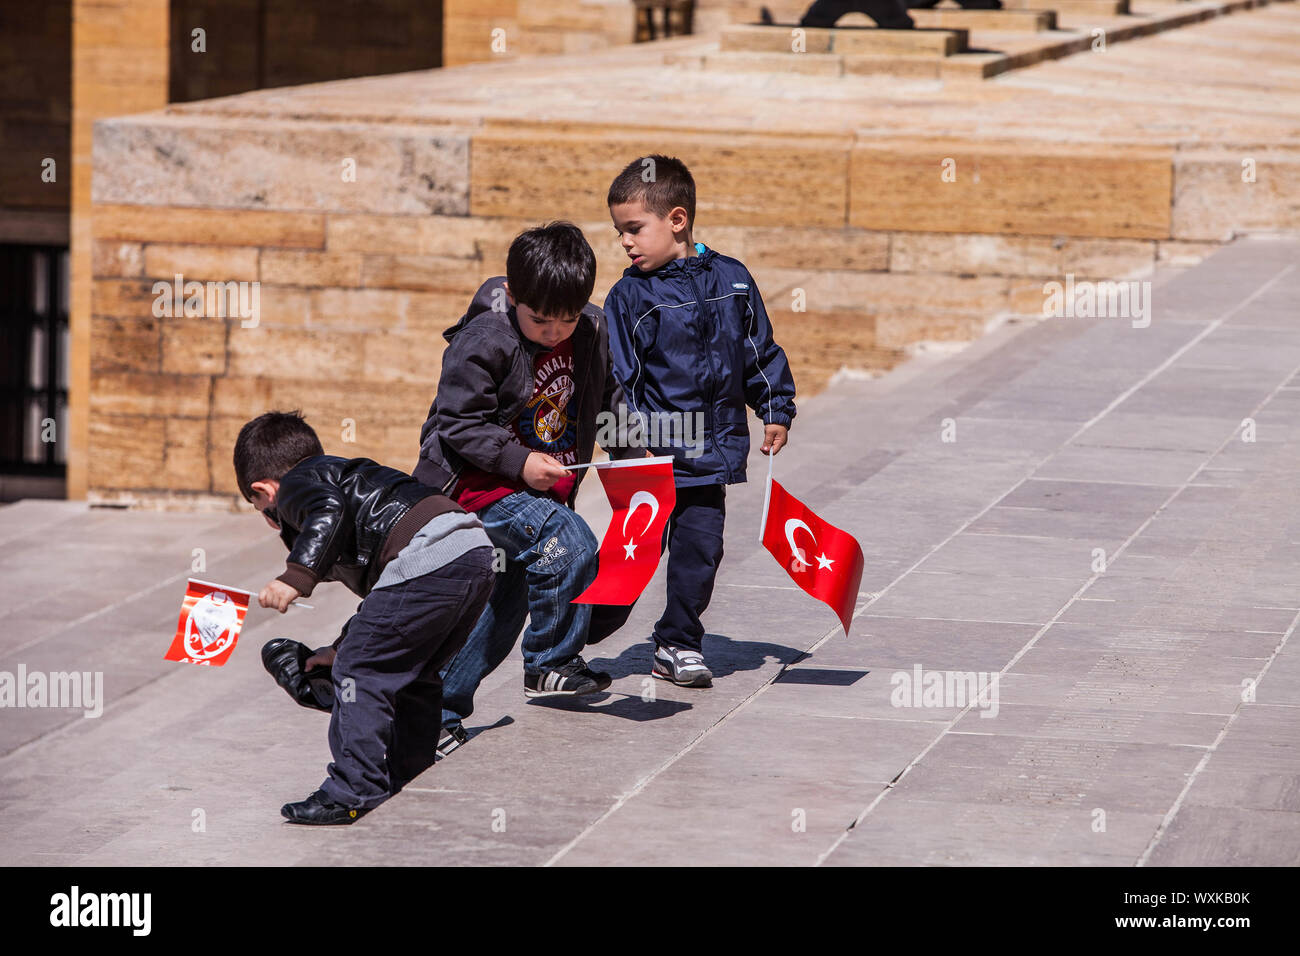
x,y
888,14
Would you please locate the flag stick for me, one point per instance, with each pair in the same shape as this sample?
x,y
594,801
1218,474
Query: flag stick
x,y
625,463
310,607
767,496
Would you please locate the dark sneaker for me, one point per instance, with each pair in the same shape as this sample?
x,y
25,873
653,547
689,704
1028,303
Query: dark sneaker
x,y
318,810
451,738
573,679
681,666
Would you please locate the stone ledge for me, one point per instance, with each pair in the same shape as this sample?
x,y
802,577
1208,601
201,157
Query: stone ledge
x,y
780,39
1012,21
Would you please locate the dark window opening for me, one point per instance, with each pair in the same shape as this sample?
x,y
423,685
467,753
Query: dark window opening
x,y
33,360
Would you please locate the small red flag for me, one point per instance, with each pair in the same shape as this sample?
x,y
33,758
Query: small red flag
x,y
643,495
823,560
211,616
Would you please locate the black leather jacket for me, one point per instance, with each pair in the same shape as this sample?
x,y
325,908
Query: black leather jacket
x,y
335,515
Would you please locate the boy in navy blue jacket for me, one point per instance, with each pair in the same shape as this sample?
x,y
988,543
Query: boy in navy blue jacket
x,y
689,336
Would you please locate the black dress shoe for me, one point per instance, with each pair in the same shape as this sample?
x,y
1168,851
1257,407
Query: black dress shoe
x,y
286,661
318,810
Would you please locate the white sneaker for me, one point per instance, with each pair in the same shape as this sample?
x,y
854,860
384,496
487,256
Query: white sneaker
x,y
681,666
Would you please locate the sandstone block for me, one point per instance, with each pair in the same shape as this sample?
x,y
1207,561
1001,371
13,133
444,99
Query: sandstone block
x,y
236,227
327,356
421,274
408,357
240,396
1005,188
289,165
126,451
1213,197
117,259
299,268
218,263
125,344
148,394
195,346
185,456
741,180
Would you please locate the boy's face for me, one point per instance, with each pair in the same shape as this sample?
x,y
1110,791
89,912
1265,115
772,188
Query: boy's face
x,y
547,331
264,493
650,241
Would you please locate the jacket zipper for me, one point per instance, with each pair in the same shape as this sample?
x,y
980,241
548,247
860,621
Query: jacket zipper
x,y
708,361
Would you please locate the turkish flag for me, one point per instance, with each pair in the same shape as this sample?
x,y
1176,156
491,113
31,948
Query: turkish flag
x,y
823,560
211,616
642,494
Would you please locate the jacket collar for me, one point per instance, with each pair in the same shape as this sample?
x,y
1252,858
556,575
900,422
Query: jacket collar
x,y
702,261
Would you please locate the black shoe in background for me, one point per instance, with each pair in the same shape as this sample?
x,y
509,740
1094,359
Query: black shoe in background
x,y
286,661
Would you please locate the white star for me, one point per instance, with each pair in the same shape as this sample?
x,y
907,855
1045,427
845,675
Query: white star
x,y
824,562
630,548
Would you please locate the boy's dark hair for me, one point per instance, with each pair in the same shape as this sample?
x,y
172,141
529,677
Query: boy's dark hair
x,y
551,269
271,444
661,182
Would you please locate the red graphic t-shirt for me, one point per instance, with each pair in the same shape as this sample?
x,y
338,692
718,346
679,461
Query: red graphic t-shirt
x,y
544,425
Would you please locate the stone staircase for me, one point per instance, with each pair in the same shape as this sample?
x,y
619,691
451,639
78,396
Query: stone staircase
x,y
949,43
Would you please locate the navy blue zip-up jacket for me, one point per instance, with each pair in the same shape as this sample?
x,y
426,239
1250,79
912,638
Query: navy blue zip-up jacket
x,y
693,336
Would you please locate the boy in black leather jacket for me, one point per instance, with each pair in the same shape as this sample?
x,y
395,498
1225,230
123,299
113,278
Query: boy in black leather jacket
x,y
423,567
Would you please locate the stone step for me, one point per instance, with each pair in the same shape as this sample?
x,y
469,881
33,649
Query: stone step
x,y
782,38
1101,7
1008,21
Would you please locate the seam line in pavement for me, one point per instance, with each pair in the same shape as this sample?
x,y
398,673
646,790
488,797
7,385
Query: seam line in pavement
x,y
1217,323
1168,818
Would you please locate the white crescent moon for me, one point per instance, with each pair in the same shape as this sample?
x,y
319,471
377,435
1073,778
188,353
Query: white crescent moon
x,y
790,527
639,499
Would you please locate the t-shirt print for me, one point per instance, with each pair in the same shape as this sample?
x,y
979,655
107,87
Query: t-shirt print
x,y
545,424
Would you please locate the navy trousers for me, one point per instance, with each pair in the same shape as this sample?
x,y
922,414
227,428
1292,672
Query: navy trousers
x,y
387,713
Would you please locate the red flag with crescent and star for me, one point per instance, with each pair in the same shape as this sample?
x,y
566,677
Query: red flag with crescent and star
x,y
642,493
823,560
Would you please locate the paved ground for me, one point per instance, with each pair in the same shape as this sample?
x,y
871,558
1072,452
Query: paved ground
x,y
1125,729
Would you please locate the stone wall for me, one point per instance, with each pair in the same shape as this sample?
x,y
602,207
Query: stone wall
x,y
532,28
359,279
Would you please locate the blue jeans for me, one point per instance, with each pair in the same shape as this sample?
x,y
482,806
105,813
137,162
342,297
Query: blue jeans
x,y
550,559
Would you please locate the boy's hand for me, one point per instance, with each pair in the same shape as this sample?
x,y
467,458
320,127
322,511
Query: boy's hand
x,y
278,595
321,657
774,438
542,471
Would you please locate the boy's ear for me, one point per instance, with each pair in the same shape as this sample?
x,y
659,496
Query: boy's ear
x,y
268,488
510,296
678,219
